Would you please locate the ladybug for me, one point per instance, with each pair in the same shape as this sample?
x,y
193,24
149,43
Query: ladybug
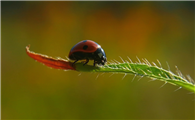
x,y
88,50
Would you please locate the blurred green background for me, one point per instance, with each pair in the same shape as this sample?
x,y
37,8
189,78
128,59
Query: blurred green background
x,y
152,30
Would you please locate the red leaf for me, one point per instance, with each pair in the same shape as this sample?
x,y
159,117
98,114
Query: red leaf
x,y
49,61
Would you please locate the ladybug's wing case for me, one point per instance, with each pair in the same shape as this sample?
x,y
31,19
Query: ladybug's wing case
x,y
86,46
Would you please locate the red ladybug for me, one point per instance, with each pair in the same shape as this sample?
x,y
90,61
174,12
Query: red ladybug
x,y
88,50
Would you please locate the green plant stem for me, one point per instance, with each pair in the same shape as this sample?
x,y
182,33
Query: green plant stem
x,y
141,69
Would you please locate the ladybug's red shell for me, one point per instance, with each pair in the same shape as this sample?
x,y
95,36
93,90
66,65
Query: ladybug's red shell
x,y
88,50
92,47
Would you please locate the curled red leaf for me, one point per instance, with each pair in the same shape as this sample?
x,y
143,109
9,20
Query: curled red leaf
x,y
49,61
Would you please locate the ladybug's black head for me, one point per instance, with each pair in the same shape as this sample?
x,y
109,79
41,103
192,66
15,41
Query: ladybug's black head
x,y
100,56
104,60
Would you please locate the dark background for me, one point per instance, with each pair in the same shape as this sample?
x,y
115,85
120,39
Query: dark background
x,y
152,30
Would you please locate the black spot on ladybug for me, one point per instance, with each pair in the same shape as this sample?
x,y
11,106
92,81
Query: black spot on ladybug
x,y
85,47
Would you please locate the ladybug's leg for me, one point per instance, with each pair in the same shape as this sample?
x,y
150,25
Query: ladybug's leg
x,y
94,63
86,62
74,62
